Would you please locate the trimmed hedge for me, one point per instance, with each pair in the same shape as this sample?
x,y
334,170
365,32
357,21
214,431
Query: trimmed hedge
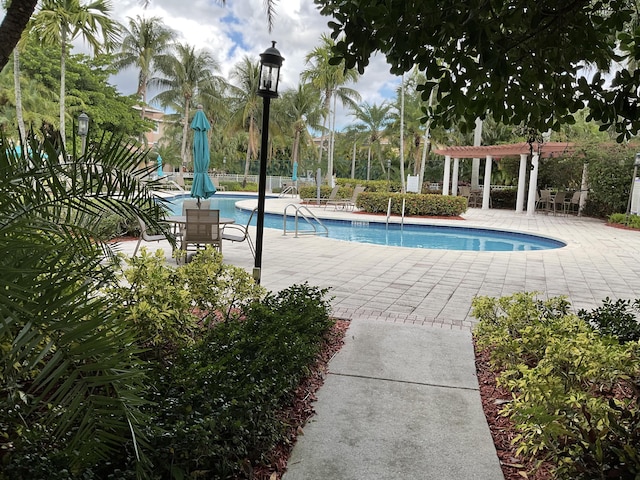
x,y
309,192
504,198
415,204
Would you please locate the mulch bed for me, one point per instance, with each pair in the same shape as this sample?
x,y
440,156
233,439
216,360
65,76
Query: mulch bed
x,y
621,227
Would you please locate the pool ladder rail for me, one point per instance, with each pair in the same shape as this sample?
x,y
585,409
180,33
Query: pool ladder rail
x,y
389,214
303,212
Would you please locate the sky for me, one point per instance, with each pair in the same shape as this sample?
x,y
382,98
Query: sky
x,y
240,28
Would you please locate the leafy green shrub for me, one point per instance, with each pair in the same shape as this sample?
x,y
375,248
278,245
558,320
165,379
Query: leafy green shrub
x,y
610,172
415,204
619,319
575,392
632,221
111,226
372,185
504,198
517,327
216,406
311,192
237,187
170,306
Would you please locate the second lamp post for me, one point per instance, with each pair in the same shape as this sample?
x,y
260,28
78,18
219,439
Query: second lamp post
x,y
270,63
83,130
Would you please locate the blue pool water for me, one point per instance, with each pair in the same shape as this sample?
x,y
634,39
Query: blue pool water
x,y
412,236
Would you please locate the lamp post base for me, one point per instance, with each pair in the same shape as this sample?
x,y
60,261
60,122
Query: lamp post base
x,y
257,274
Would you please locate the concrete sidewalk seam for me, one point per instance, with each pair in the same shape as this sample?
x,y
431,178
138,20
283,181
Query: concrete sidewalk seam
x,y
408,382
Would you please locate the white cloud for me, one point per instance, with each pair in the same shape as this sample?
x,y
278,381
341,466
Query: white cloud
x,y
240,29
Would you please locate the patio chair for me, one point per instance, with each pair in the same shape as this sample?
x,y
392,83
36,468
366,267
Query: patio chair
x,y
216,183
558,202
570,203
349,204
319,201
202,228
146,236
240,233
188,203
545,202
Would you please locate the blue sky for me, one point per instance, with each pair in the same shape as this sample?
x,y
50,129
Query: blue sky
x,y
240,28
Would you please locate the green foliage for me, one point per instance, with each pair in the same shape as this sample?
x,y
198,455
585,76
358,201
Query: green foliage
x,y
610,171
576,393
311,192
169,307
619,319
72,380
504,198
415,204
516,327
87,88
219,291
112,226
237,187
631,221
524,70
216,406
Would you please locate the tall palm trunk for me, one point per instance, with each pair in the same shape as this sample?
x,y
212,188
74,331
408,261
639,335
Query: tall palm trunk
x,y
427,146
296,147
63,80
247,160
18,92
185,131
327,107
332,140
404,187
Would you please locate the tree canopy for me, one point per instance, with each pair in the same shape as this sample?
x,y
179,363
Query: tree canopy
x,y
521,62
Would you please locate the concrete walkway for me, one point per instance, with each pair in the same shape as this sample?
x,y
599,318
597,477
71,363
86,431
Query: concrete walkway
x,y
401,399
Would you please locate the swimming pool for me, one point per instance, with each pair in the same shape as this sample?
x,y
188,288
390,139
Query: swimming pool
x,y
378,233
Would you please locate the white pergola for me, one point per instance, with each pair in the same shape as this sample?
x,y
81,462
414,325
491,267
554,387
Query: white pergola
x,y
496,152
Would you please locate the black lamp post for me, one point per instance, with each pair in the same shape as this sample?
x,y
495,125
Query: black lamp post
x,y
388,174
270,63
83,130
636,164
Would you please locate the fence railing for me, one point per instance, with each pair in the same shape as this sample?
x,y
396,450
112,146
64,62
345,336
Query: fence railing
x,y
278,181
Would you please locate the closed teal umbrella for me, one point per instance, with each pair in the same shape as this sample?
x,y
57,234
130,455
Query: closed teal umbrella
x,y
294,175
202,186
159,160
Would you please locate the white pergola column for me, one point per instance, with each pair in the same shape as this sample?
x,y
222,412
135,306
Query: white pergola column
x,y
447,175
533,186
486,191
454,179
522,180
584,188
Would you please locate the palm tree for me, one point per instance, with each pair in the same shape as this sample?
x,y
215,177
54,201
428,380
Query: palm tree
x,y
143,42
374,118
14,23
65,346
246,106
61,21
329,80
300,110
187,79
38,101
414,129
